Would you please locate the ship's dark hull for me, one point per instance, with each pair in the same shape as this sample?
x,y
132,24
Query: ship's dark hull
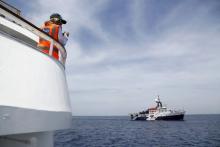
x,y
139,118
171,117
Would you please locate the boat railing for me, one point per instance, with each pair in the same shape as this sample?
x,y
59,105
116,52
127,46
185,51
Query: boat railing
x,y
14,17
10,7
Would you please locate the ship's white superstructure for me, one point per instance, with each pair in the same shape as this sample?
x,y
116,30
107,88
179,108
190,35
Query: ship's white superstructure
x,y
34,99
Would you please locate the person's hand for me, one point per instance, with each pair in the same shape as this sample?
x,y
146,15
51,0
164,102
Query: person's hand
x,y
66,34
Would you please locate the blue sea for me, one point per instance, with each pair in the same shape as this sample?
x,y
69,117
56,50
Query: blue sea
x,y
119,131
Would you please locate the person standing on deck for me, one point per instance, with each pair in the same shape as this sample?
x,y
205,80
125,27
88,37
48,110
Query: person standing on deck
x,y
53,27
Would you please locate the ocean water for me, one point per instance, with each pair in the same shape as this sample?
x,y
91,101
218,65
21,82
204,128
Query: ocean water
x,y
196,130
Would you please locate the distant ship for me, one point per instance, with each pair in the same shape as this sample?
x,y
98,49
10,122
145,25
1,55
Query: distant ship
x,y
34,98
159,112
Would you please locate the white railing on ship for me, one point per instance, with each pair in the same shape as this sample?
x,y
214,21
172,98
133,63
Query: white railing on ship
x,y
29,26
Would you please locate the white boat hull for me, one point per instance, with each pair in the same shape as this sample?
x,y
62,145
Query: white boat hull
x,y
31,83
34,99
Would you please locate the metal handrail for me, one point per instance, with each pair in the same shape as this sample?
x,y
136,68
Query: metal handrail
x,y
10,7
37,31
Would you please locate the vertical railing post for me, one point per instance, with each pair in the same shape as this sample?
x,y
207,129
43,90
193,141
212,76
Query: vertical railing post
x,y
51,47
60,56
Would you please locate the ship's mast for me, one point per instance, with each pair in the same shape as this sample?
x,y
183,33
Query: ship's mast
x,y
159,103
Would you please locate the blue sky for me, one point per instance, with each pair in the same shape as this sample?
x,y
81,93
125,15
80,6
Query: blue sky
x,y
123,53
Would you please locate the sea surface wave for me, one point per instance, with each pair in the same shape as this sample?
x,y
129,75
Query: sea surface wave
x,y
119,131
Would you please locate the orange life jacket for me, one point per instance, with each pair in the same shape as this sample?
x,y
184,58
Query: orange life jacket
x,y
52,30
